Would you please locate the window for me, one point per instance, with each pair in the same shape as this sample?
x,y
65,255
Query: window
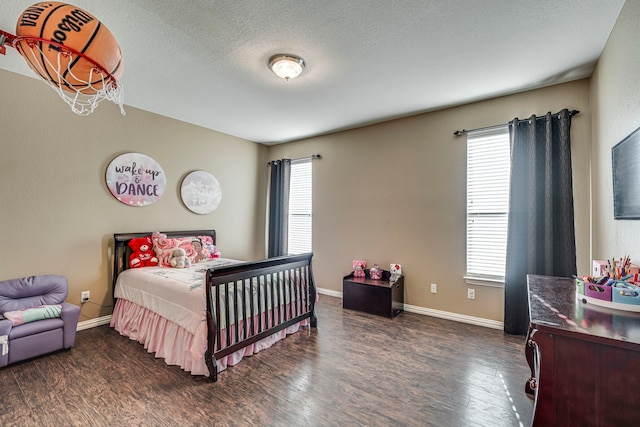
x,y
488,169
300,207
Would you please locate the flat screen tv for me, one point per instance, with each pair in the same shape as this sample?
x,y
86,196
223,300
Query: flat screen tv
x,y
625,162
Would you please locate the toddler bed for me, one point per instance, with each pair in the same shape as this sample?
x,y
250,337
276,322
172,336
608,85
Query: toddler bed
x,y
210,315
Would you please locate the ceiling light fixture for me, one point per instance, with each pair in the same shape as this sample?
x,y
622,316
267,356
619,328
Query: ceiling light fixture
x,y
286,66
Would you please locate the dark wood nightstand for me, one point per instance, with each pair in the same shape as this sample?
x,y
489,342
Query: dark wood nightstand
x,y
380,297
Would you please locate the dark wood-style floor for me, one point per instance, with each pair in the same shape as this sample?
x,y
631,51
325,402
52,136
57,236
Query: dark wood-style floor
x,y
354,370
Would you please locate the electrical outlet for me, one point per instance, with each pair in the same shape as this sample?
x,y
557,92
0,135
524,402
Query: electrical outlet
x,y
434,288
471,293
85,296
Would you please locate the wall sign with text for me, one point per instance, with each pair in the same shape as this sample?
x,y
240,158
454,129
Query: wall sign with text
x,y
136,179
201,192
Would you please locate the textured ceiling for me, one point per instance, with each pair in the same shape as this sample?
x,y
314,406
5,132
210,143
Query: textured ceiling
x,y
205,62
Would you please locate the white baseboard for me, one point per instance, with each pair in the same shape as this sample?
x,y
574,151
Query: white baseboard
x,y
463,318
92,323
479,321
330,292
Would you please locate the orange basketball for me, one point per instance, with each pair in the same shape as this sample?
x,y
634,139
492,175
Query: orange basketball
x,y
71,27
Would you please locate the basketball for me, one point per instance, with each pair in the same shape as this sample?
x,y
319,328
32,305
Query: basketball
x,y
68,26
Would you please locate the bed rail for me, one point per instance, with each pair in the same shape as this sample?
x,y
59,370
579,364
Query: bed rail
x,y
250,301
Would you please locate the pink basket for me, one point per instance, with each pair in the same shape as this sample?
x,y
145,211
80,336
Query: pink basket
x,y
597,291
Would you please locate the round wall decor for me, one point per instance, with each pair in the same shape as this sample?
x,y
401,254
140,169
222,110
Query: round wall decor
x,y
136,179
201,192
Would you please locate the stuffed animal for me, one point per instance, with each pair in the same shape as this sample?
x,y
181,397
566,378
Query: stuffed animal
x,y
142,254
212,249
395,269
179,259
358,267
396,272
375,273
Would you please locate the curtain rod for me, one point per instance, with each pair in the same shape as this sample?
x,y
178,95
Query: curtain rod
x,y
313,156
463,131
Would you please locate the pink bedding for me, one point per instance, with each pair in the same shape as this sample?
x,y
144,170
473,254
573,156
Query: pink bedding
x,y
176,345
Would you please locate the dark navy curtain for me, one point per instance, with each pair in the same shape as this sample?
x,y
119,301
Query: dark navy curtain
x,y
541,233
279,207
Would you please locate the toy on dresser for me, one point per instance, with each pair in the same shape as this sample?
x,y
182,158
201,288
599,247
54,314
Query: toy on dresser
x,y
358,267
375,273
396,272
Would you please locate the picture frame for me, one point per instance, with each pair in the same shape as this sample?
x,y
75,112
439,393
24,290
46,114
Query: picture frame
x,y
201,192
135,179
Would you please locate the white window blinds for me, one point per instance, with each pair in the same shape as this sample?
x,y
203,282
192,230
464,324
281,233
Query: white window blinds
x,y
488,169
300,207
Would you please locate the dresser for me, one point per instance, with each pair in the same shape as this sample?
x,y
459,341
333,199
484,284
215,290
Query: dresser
x,y
584,359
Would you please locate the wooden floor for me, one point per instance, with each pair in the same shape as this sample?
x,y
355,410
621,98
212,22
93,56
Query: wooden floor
x,y
354,370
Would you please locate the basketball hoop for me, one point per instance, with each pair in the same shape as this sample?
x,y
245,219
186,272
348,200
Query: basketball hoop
x,y
81,93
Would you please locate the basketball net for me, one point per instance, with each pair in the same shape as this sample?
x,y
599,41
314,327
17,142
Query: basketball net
x,y
83,98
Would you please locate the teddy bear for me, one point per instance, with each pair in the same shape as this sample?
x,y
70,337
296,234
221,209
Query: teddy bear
x,y
358,267
179,259
142,254
396,272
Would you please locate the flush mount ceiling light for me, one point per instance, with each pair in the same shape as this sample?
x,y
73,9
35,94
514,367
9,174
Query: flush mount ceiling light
x,y
286,66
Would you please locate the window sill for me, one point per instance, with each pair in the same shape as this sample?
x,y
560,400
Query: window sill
x,y
495,283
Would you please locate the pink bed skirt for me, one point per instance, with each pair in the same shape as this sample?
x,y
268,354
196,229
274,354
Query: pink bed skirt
x,y
176,345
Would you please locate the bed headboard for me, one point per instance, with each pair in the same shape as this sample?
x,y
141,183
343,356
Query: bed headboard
x,y
122,251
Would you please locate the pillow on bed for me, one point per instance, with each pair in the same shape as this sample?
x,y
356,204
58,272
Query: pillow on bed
x,y
197,248
19,317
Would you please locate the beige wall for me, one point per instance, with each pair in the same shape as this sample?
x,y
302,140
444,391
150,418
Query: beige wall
x,y
392,192
615,87
56,214
396,192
